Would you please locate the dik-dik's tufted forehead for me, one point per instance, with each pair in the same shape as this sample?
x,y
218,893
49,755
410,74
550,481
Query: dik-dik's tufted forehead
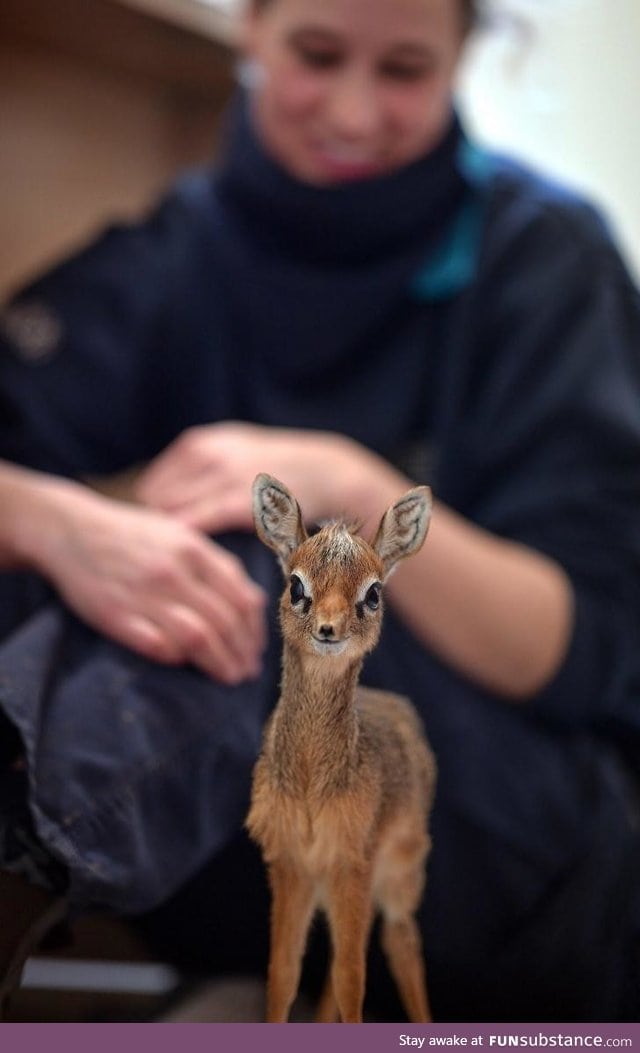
x,y
336,554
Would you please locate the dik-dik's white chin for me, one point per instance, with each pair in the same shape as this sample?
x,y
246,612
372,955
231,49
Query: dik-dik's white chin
x,y
329,648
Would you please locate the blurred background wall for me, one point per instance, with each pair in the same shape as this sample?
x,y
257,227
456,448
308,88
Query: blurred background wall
x,y
560,86
103,101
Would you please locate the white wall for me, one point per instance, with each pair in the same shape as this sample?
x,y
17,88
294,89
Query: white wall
x,y
565,94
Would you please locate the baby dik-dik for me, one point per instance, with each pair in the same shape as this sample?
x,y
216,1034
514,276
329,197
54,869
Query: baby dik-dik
x,y
344,784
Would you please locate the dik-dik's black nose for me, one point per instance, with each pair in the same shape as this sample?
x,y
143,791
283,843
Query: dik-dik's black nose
x,y
326,631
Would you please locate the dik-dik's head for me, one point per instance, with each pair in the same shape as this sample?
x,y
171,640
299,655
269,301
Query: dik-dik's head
x,y
333,602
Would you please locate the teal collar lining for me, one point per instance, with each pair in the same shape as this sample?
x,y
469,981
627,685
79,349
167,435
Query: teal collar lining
x,y
453,264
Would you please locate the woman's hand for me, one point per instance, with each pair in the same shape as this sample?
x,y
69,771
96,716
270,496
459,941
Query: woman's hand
x,y
144,579
204,477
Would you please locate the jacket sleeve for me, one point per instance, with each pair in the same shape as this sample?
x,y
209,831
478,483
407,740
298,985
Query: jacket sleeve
x,y
545,441
80,363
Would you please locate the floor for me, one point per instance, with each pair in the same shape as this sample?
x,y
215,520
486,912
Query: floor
x,y
104,975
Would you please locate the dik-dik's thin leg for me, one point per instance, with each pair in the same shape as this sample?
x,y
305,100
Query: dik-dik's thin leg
x,y
350,913
403,947
292,902
327,1010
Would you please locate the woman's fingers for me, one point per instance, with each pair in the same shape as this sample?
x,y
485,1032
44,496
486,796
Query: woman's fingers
x,y
209,610
181,638
141,634
207,645
230,599
174,633
237,628
155,585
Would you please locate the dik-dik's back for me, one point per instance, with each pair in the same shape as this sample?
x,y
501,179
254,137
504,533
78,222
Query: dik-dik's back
x,y
344,784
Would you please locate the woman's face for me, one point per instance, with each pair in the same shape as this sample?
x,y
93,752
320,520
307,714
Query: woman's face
x,y
351,89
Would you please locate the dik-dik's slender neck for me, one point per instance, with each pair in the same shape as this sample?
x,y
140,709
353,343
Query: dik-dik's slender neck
x,y
316,722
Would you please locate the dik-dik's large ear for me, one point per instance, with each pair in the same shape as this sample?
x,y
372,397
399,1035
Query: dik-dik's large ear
x,y
403,527
277,518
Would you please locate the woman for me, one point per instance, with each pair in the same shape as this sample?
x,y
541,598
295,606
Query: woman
x,y
355,299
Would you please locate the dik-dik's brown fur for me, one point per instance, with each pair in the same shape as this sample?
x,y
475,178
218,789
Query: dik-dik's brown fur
x,y
344,785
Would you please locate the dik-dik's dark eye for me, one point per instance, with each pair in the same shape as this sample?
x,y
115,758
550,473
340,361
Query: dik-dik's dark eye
x,y
372,598
297,589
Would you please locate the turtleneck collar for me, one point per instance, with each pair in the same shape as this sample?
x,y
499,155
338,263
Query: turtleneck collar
x,y
343,225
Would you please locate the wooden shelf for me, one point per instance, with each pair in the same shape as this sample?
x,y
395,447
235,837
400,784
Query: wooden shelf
x,y
102,103
209,20
177,41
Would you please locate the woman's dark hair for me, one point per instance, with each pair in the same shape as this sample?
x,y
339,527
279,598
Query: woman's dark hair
x,y
471,12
